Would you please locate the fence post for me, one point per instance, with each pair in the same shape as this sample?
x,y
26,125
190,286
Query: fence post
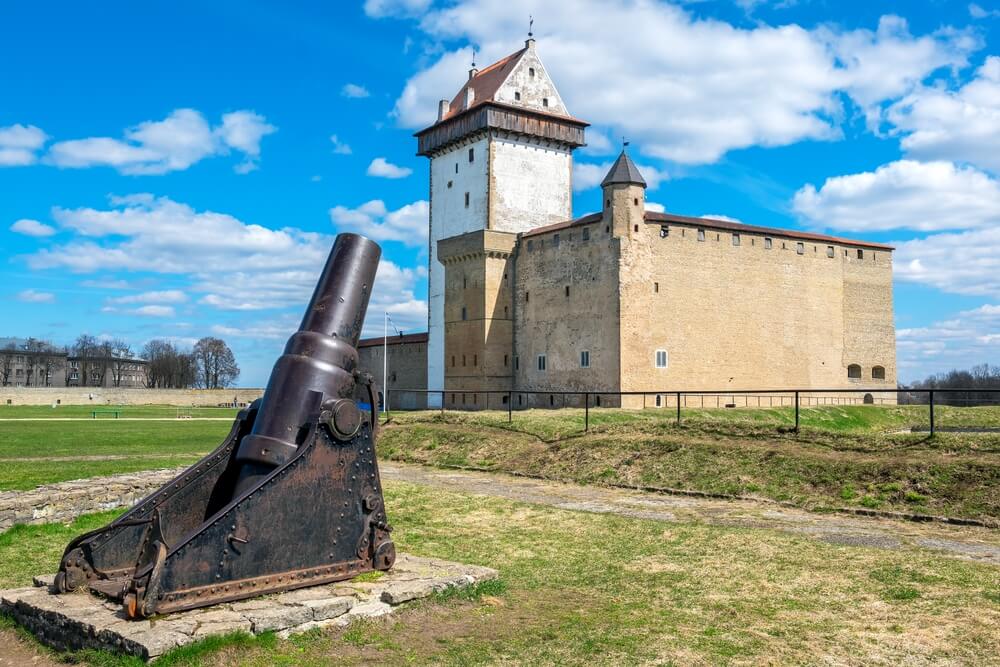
x,y
442,404
510,407
586,412
932,410
796,412
678,408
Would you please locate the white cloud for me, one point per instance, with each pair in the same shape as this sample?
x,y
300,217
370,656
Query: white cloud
x,y
587,175
961,263
175,143
154,311
724,218
19,145
382,168
107,283
407,224
30,227
380,8
339,147
233,265
655,208
683,88
977,12
967,339
954,125
160,296
35,296
354,91
905,194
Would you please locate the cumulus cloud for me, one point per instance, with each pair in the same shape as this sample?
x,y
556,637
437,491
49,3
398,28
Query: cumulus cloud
x,y
19,145
339,147
587,175
30,227
959,125
977,12
407,224
961,263
382,168
175,143
724,218
966,339
354,91
230,264
905,194
35,296
380,8
655,208
683,88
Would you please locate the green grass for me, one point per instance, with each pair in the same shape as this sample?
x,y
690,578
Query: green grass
x,y
126,411
579,589
843,456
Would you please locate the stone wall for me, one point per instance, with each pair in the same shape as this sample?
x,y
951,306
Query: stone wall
x,y
407,370
123,396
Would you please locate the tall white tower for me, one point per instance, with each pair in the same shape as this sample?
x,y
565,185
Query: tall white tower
x,y
501,159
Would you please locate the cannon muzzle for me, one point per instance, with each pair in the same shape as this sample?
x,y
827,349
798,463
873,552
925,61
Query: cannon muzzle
x,y
291,498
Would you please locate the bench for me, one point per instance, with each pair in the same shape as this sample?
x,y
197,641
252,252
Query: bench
x,y
94,413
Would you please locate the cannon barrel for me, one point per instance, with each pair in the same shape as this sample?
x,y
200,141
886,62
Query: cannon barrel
x,y
319,362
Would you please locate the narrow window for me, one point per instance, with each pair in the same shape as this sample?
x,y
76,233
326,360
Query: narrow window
x,y
531,244
607,203
635,228
505,311
635,201
555,240
531,71
656,288
527,295
800,248
466,200
472,154
505,360
567,290
736,239
661,358
453,399
586,233
659,400
878,373
541,362
456,171
552,400
664,231
505,277
463,313
517,96
517,363
475,398
463,399
607,229
463,365
520,399
449,185
861,253
829,251
585,359
453,363
465,282
854,371
475,360
545,101
701,234
503,400
598,397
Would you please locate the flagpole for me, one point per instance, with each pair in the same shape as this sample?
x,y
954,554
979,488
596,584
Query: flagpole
x,y
385,365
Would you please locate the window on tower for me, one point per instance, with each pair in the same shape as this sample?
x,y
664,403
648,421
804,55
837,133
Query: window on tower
x,y
466,200
472,154
545,101
517,96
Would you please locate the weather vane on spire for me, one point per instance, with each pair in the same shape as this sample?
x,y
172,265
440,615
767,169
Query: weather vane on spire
x,y
473,58
624,143
531,24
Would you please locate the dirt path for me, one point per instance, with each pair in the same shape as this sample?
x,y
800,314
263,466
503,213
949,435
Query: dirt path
x,y
970,543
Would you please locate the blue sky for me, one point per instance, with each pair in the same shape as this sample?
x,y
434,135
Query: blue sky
x,y
179,169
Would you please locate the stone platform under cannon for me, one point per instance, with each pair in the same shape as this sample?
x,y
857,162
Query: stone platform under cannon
x,y
83,620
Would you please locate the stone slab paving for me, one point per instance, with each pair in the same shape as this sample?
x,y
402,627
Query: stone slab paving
x,y
82,620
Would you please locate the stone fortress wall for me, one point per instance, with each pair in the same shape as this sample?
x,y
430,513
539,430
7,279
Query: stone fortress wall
x,y
124,396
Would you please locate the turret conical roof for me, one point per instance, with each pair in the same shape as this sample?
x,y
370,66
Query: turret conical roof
x,y
624,171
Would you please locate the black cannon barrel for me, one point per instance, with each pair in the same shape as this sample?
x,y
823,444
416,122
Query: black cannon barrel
x,y
318,363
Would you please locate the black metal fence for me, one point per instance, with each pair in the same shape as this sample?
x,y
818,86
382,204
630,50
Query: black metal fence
x,y
678,400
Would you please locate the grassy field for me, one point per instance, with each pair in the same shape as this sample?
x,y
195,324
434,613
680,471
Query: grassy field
x,y
125,411
855,456
843,456
581,588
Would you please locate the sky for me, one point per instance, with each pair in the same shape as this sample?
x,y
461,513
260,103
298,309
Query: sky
x,y
178,170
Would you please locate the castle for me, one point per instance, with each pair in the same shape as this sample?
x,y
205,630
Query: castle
x,y
523,296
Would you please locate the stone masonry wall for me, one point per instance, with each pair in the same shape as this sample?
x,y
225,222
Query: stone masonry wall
x,y
121,396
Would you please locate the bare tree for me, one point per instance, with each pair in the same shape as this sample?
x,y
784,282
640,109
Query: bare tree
x,y
215,362
168,366
977,380
7,364
120,359
85,348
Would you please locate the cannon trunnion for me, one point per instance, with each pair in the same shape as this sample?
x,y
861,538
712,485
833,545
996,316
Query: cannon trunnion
x,y
291,498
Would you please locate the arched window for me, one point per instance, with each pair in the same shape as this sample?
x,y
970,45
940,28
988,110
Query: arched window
x,y
869,399
854,371
878,373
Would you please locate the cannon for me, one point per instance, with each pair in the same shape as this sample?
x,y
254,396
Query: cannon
x,y
291,498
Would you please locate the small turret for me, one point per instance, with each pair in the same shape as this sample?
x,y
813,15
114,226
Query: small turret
x,y
624,191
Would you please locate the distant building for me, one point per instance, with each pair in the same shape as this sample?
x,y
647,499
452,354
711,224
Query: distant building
x,y
20,368
407,368
106,372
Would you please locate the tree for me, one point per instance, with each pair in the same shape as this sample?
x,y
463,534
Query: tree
x,y
215,362
976,380
121,359
7,364
41,358
168,367
85,348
